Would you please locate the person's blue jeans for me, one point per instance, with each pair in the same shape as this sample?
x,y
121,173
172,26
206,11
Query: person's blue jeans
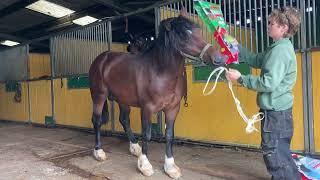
x,y
276,134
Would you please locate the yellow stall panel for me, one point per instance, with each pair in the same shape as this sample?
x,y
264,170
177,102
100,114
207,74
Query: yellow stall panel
x,y
316,97
39,65
72,106
40,100
298,135
11,110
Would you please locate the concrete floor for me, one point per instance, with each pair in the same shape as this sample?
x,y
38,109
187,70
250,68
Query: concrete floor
x,y
28,152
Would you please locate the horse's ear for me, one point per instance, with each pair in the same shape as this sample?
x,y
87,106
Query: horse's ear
x,y
183,12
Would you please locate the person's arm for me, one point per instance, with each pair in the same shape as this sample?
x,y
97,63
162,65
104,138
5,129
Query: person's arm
x,y
253,60
274,72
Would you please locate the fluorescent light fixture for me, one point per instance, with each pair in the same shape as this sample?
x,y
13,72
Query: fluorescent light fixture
x,y
84,20
9,43
50,9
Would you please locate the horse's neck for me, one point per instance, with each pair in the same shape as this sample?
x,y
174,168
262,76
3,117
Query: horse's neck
x,y
166,62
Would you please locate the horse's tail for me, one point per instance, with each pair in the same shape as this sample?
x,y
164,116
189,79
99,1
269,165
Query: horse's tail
x,y
105,113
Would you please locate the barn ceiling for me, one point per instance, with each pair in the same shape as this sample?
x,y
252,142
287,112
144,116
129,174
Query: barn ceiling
x,y
20,24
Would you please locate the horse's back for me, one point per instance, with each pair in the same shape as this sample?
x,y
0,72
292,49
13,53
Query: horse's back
x,y
116,73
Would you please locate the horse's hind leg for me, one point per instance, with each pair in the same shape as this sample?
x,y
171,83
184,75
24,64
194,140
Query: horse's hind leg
x,y
143,163
124,118
99,104
169,166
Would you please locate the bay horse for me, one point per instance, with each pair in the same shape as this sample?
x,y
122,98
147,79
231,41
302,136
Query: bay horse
x,y
152,80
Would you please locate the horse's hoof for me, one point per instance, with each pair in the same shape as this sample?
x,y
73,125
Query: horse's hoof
x,y
171,168
135,149
99,155
144,165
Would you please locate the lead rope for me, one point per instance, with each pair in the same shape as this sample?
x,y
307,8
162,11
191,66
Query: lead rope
x,y
249,121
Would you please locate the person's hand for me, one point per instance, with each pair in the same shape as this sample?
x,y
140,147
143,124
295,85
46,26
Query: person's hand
x,y
233,74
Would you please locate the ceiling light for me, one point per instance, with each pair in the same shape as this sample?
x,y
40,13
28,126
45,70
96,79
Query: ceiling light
x,y
248,21
259,18
9,43
238,22
84,20
50,9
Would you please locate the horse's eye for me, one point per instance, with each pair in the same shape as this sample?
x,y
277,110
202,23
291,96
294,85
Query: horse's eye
x,y
189,31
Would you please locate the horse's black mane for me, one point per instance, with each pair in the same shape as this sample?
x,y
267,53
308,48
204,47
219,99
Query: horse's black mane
x,y
173,36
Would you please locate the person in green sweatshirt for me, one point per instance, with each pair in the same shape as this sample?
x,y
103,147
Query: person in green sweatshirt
x,y
274,89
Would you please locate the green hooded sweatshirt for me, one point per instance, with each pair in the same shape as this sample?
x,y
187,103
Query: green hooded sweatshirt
x,y
278,75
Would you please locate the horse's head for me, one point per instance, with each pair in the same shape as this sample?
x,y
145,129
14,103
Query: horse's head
x,y
187,39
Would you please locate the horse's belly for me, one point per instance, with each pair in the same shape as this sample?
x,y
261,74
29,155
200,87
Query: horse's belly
x,y
166,101
123,96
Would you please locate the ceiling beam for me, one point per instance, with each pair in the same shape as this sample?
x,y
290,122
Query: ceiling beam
x,y
15,7
139,2
113,5
60,22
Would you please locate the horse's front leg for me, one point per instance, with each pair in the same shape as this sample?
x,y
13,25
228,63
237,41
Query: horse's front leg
x,y
143,163
169,166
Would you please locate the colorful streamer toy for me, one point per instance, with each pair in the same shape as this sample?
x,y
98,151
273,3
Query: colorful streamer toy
x,y
212,17
307,166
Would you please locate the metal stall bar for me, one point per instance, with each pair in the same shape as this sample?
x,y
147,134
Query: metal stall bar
x,y
256,25
292,38
28,88
52,47
267,9
225,10
229,13
174,10
314,23
245,23
261,27
309,85
250,25
306,120
157,21
240,24
234,18
189,2
300,32
309,24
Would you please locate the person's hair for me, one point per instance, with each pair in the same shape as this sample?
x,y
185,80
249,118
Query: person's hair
x,y
287,16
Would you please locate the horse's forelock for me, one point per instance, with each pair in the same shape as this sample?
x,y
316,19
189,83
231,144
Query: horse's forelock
x,y
173,32
173,36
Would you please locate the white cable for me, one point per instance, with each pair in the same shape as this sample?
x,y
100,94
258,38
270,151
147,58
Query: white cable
x,y
250,122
